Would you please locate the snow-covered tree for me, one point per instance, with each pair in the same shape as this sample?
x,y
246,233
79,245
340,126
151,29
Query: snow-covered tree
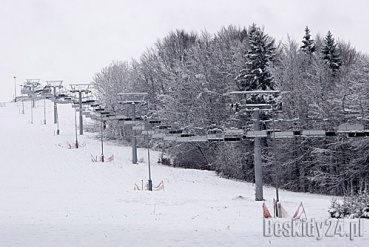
x,y
308,44
261,53
186,76
330,53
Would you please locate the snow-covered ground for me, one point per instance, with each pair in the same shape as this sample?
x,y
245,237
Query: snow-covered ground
x,y
54,196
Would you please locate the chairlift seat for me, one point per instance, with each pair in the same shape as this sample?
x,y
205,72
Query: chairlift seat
x,y
256,133
232,139
313,133
350,128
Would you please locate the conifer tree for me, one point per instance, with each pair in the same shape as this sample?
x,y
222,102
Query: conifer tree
x,y
308,44
256,74
330,53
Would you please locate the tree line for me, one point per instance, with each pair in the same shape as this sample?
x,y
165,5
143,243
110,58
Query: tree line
x,y
322,83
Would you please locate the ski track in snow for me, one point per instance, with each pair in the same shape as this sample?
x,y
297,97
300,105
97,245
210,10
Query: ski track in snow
x,y
54,196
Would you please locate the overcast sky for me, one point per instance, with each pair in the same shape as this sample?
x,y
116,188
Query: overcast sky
x,y
71,40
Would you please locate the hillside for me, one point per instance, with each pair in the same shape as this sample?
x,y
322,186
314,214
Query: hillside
x,y
55,196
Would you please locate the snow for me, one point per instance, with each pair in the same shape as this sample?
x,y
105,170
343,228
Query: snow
x,y
54,196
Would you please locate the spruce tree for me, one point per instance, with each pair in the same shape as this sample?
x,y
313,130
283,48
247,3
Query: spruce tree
x,y
330,53
261,52
308,44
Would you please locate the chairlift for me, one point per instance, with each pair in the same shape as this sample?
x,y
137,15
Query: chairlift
x,y
158,135
105,112
232,138
61,95
138,127
175,132
122,118
48,96
186,135
215,134
88,101
233,132
108,116
131,122
233,135
86,113
148,132
38,90
153,121
169,138
253,92
347,128
76,88
100,109
313,133
46,90
191,138
164,127
261,107
298,132
330,133
283,134
133,98
358,134
26,89
256,133
125,118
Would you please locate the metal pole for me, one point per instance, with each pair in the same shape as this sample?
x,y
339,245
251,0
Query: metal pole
x,y
22,100
22,105
80,113
275,161
55,107
56,118
102,141
33,97
57,127
75,127
275,167
32,108
134,140
257,160
15,89
44,110
148,159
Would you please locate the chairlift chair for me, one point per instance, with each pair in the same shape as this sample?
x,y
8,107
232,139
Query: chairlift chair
x,y
154,121
313,133
164,127
233,135
191,138
175,132
283,134
215,135
133,98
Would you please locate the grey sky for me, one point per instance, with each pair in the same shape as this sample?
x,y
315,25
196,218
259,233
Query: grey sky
x,y
71,40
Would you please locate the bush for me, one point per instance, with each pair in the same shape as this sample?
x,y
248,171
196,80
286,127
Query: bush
x,y
354,206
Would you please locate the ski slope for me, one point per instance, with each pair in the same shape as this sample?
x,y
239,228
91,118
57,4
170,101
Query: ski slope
x,y
54,196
